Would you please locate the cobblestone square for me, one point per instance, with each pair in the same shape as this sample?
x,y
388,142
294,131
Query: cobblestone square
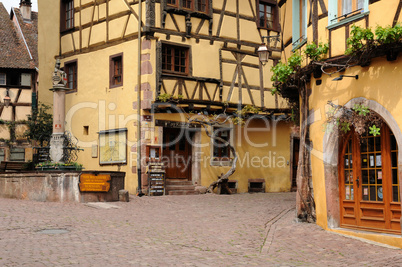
x,y
199,230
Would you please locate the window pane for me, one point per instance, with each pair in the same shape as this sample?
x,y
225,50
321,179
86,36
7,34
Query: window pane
x,y
202,5
393,142
373,193
2,78
364,161
262,15
360,4
395,176
395,193
346,6
365,193
187,4
365,177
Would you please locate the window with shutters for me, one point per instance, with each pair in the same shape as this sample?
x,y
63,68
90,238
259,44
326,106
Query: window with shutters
x,y
116,70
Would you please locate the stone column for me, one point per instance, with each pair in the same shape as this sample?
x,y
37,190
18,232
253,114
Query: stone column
x,y
59,92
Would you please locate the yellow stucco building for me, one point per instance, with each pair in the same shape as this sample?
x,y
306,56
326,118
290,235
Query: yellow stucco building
x,y
355,177
201,56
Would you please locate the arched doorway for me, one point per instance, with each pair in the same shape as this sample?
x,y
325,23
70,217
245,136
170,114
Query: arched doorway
x,y
369,190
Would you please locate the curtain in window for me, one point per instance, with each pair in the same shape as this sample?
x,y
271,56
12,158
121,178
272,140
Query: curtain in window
x,y
346,6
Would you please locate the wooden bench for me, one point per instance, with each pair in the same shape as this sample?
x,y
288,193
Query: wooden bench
x,y
12,165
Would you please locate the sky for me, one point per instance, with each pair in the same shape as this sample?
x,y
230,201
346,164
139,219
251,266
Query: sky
x,y
16,3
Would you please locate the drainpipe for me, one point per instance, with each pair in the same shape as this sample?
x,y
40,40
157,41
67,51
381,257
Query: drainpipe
x,y
139,172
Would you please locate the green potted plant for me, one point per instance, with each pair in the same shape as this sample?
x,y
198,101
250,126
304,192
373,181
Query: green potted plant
x,y
389,38
361,44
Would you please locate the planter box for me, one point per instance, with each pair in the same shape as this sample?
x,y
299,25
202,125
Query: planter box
x,y
58,168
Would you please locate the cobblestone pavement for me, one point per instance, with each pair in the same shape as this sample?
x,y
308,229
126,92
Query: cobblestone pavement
x,y
202,230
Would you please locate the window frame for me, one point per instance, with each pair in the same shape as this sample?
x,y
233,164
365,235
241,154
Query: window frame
x,y
275,12
354,11
5,78
112,73
194,10
112,136
197,7
222,160
15,151
2,154
334,19
298,24
66,7
66,68
176,47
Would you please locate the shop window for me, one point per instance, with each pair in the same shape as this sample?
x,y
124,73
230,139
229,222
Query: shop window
x,y
3,79
66,15
116,70
175,59
71,72
268,15
113,146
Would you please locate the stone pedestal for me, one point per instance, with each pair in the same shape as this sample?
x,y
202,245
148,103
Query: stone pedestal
x,y
57,147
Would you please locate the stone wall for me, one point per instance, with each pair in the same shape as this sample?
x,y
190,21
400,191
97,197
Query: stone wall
x,y
56,186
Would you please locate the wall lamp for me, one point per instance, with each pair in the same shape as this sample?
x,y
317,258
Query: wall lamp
x,y
348,76
263,53
7,99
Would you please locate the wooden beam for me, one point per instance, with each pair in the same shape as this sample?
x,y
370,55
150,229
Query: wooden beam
x,y
398,12
222,13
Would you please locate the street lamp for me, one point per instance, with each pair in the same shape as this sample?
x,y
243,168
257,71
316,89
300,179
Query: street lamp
x,y
7,99
263,53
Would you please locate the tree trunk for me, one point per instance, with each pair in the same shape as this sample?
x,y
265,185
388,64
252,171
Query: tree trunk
x,y
304,199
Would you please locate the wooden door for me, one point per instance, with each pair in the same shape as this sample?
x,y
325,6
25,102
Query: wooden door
x,y
369,188
177,153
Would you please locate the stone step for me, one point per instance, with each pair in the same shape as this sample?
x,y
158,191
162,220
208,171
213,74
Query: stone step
x,y
181,192
179,187
178,182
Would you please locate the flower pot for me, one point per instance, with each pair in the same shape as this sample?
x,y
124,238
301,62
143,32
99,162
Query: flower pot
x,y
391,54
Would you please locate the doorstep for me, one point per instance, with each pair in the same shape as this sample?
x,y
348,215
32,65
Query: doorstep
x,y
381,239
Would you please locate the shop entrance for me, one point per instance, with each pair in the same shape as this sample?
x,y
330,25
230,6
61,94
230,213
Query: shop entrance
x,y
177,153
369,183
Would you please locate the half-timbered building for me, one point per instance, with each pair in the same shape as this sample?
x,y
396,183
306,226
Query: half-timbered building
x,y
201,56
18,79
355,177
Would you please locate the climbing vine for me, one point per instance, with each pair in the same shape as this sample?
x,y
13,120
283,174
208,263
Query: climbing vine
x,y
360,117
